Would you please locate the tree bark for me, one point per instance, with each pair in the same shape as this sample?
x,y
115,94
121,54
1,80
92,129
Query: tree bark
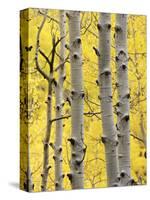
x,y
59,106
28,184
76,140
46,166
123,123
49,79
109,137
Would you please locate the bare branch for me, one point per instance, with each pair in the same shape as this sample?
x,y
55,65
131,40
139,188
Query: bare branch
x,y
62,64
68,116
37,49
51,18
137,138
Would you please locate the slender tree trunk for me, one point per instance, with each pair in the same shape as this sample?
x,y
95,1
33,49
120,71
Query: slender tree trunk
x,y
109,137
49,79
28,185
46,141
76,140
123,97
59,106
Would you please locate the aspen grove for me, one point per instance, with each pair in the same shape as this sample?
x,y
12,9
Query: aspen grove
x,y
82,100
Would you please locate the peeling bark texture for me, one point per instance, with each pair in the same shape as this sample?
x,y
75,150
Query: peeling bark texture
x,y
59,106
123,98
109,137
76,140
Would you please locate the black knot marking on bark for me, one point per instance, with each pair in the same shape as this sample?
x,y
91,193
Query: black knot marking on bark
x,y
126,118
116,142
118,104
116,58
123,66
60,149
63,176
63,103
73,92
118,178
108,26
132,182
118,29
117,84
52,145
72,141
48,168
106,72
96,51
122,53
75,56
127,96
104,139
58,107
73,154
78,162
68,100
120,155
122,174
117,128
78,40
42,187
49,97
64,78
115,184
70,177
56,184
99,97
99,27
82,95
67,15
46,145
118,113
97,82
67,46
54,81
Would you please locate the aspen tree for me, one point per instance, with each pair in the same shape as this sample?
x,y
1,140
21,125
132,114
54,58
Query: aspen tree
x,y
28,185
59,105
123,123
77,95
51,81
104,81
49,78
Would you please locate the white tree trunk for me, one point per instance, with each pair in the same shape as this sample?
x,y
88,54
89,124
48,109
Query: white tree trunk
x,y
46,141
123,97
59,106
76,140
28,184
109,137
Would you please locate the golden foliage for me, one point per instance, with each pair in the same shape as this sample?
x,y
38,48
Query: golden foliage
x,y
94,163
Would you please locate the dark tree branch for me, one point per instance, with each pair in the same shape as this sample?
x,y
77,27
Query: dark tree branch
x,y
137,138
51,18
37,49
68,116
